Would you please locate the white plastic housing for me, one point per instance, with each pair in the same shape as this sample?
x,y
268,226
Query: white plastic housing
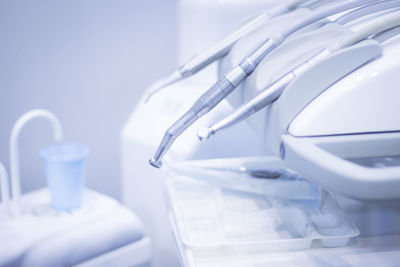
x,y
366,101
290,54
349,99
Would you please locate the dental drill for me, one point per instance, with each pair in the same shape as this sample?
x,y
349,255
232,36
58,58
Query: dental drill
x,y
222,88
221,48
273,91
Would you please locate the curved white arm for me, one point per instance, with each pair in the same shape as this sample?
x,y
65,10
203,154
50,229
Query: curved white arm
x,y
14,156
4,186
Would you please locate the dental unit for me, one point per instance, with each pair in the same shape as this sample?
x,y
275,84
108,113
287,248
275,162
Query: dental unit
x,y
272,92
316,167
234,77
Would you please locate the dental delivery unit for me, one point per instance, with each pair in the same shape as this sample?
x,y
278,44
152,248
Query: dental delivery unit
x,y
280,140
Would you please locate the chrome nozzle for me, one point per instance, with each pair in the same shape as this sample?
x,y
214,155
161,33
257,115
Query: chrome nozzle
x,y
153,162
204,134
170,135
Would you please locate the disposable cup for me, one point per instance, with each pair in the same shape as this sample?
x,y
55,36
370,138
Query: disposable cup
x,y
65,173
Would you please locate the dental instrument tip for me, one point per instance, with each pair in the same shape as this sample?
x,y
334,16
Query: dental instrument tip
x,y
204,133
173,78
155,163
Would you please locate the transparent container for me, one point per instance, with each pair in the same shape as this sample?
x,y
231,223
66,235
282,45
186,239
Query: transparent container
x,y
65,172
260,177
216,222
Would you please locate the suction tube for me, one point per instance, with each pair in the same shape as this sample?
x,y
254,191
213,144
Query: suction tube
x,y
14,153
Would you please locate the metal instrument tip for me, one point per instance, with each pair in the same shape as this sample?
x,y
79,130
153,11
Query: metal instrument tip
x,y
204,134
155,163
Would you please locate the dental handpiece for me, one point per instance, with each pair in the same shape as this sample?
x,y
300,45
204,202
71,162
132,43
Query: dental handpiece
x,y
232,79
272,92
221,48
267,96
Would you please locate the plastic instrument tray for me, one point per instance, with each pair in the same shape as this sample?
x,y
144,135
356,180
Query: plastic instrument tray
x,y
208,219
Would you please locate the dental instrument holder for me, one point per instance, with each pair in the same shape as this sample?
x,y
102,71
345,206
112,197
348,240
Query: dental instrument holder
x,y
325,159
217,92
289,56
223,87
14,153
307,87
65,173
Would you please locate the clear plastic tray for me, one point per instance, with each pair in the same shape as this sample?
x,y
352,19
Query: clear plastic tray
x,y
208,218
261,178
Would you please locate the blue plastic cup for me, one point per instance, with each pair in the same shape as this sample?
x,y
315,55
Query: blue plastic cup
x,y
65,172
